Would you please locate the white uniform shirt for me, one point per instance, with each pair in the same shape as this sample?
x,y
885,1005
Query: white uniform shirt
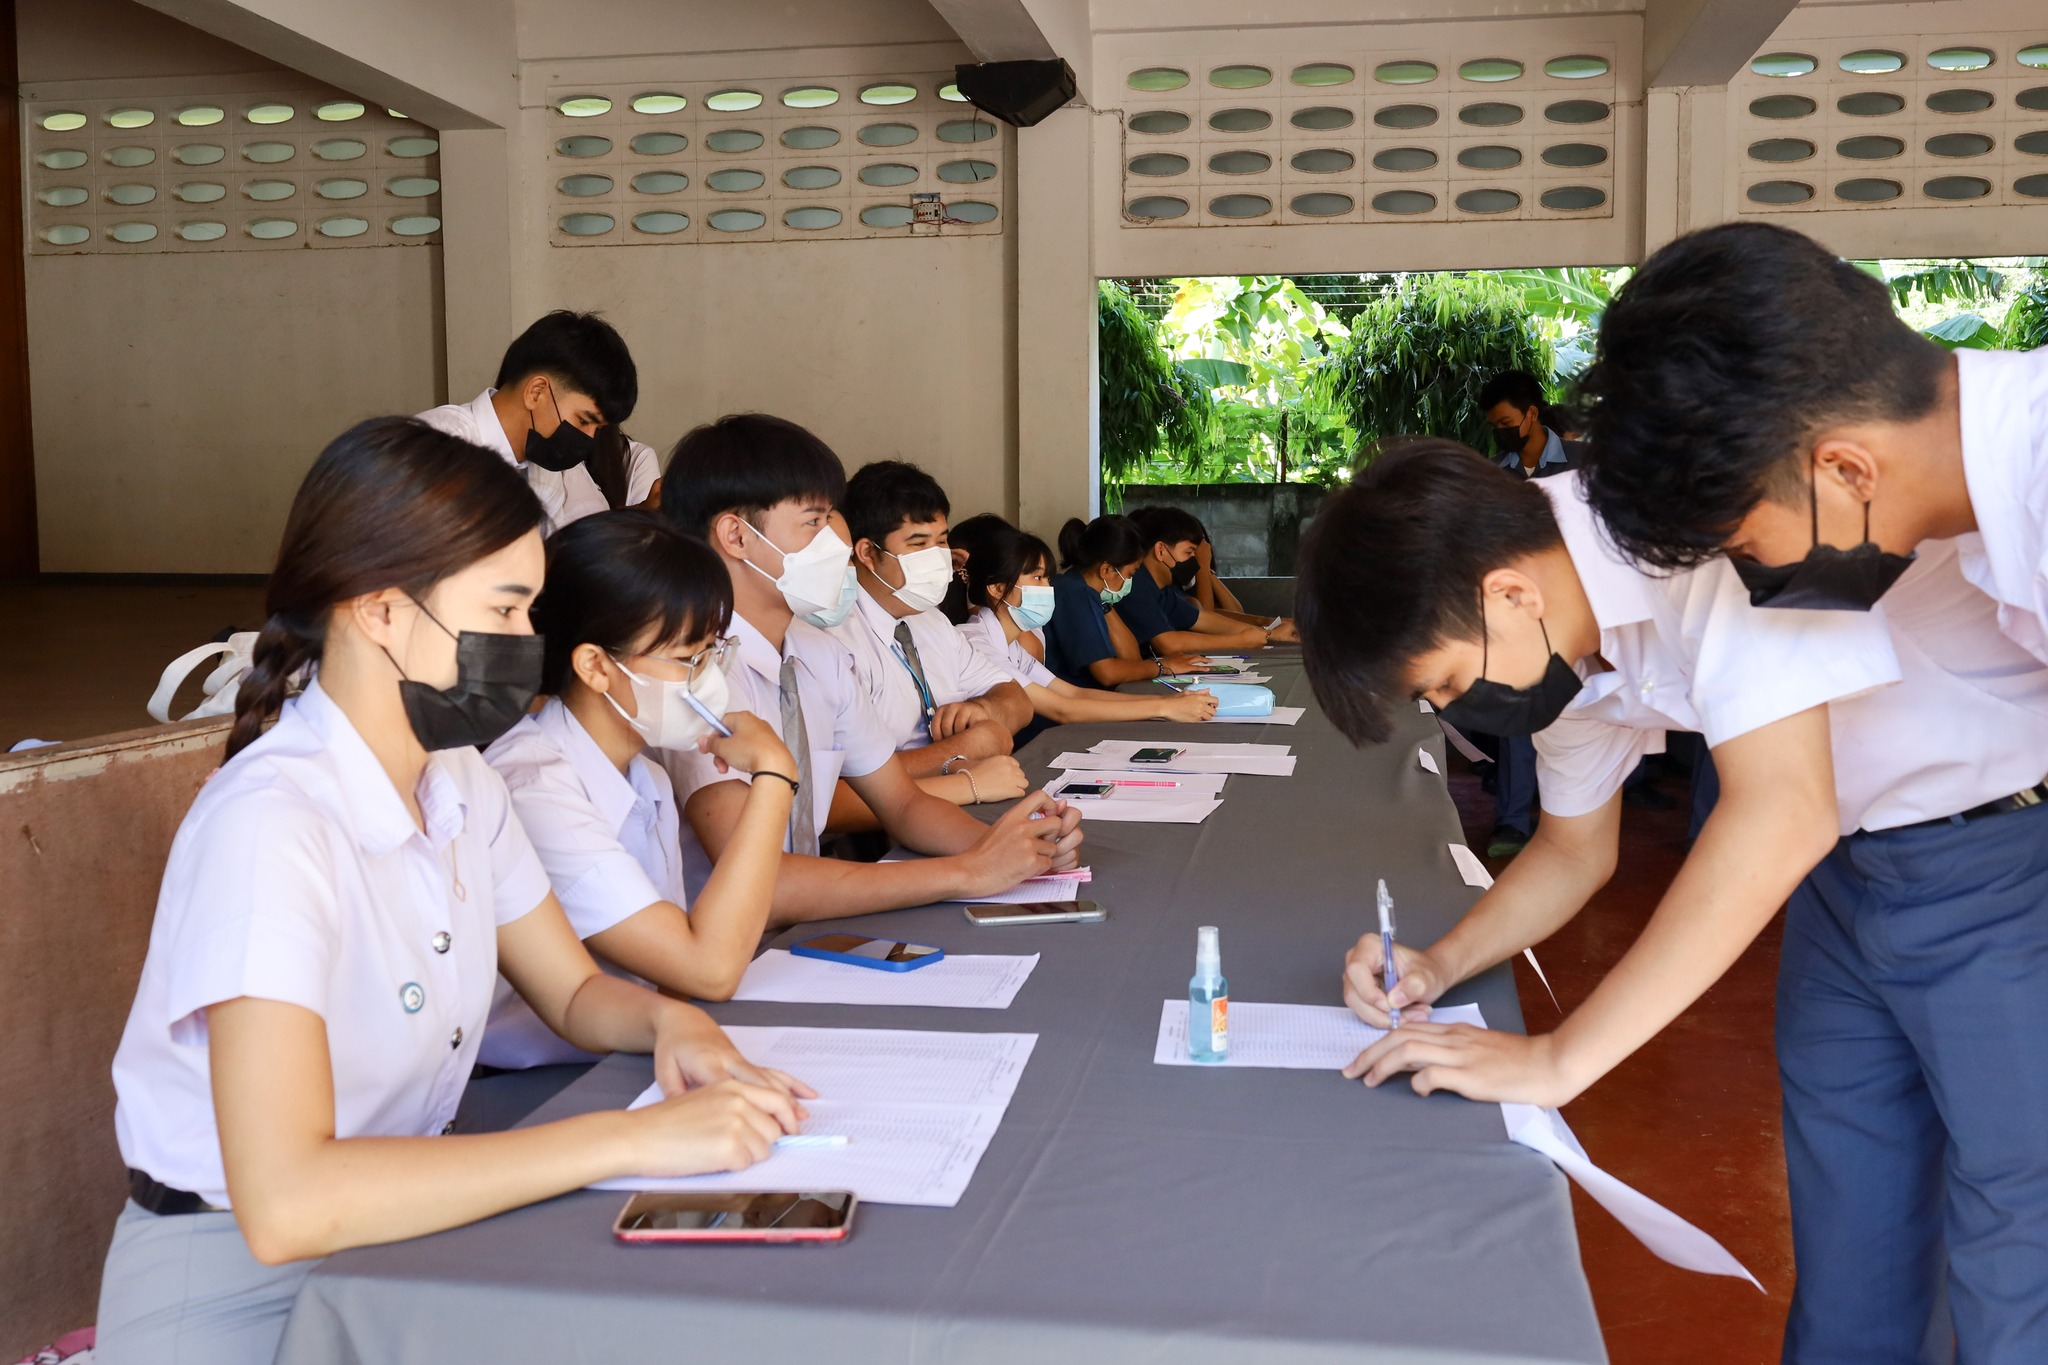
x,y
1968,724
847,739
643,467
952,669
2004,398
1686,652
983,631
299,876
563,497
610,844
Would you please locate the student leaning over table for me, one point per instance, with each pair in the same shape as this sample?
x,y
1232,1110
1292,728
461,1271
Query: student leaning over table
x,y
1757,397
337,904
635,615
1010,589
761,490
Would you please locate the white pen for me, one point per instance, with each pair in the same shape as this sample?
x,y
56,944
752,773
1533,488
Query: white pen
x,y
1389,977
808,1141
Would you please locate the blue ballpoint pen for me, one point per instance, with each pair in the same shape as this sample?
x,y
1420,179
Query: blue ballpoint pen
x,y
1389,977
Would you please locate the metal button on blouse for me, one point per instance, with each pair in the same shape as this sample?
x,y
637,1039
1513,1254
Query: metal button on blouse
x,y
455,1040
442,941
447,1128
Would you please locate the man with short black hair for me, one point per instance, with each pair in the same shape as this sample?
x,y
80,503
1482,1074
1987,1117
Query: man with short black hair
x,y
561,380
1160,614
1525,445
950,712
1756,398
761,491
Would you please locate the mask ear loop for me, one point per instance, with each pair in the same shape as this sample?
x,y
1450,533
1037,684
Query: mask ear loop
x,y
1485,635
1813,499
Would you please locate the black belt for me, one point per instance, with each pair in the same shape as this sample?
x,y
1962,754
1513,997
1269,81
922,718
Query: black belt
x,y
2032,796
152,1194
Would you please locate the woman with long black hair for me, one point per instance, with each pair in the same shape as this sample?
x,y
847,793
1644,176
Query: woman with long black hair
x,y
337,907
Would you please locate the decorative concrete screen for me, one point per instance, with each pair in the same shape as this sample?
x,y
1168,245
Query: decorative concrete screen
x,y
207,171
1874,124
780,160
1370,137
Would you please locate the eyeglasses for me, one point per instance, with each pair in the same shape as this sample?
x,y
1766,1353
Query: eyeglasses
x,y
719,652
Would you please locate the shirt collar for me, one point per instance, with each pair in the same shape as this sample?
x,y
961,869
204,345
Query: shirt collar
x,y
615,794
756,653
1619,593
382,823
1553,453
878,617
493,430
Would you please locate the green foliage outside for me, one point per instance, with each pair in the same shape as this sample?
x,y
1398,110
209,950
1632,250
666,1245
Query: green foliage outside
x,y
1267,379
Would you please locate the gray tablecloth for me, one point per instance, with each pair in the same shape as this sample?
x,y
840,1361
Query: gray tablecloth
x,y
1125,1211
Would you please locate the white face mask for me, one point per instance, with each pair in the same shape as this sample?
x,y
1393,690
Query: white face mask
x,y
663,715
849,593
811,578
926,575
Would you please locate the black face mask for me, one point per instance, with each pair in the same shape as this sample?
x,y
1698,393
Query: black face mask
x,y
1184,573
496,680
1828,579
567,446
1509,440
1493,708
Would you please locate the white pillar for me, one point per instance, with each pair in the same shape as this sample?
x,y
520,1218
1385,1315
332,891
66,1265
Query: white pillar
x,y
476,257
1057,459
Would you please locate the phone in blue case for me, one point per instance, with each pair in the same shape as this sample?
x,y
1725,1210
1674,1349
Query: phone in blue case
x,y
855,950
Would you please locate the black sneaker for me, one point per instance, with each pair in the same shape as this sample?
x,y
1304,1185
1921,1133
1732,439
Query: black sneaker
x,y
1507,841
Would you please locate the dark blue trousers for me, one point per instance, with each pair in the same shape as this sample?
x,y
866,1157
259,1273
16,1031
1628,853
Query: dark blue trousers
x,y
1514,797
1913,1048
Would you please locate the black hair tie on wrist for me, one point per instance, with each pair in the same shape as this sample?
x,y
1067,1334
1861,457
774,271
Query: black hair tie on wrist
x,y
794,786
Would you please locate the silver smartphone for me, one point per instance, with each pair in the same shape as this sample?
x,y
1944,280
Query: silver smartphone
x,y
1038,912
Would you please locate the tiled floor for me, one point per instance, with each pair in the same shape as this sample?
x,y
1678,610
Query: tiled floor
x,y
1690,1120
82,658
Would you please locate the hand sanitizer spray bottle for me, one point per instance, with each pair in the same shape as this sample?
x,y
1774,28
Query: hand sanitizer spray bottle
x,y
1208,1001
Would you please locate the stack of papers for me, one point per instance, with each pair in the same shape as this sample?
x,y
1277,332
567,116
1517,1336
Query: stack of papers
x,y
919,1109
1197,679
1114,755
1145,797
1053,886
975,983
1327,1037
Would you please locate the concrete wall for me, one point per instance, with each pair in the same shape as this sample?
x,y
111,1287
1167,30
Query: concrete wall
x,y
1255,527
179,398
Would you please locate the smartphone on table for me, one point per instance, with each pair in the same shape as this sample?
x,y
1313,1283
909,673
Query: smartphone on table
x,y
858,950
1161,754
739,1216
1088,790
1038,912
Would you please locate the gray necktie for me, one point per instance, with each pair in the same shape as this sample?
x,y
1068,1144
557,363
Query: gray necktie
x,y
803,830
916,667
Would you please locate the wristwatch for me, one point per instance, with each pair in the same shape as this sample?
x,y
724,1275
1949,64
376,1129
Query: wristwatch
x,y
946,768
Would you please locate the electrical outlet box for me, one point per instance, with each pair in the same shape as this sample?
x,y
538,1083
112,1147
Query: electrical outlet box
x,y
931,214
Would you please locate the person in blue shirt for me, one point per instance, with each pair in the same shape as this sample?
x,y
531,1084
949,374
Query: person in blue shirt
x,y
1160,615
1525,434
1085,642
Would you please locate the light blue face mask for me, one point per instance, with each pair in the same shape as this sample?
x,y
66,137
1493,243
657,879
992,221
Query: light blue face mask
x,y
849,593
1111,596
1035,610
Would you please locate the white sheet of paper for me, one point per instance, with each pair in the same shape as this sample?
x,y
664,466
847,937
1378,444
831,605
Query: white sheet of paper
x,y
1272,760
1471,751
1470,868
1281,715
976,983
1326,1037
1185,810
1194,680
920,1107
1054,886
1428,761
1296,1037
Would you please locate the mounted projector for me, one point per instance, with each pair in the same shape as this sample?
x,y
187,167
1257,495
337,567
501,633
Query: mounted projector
x,y
1018,93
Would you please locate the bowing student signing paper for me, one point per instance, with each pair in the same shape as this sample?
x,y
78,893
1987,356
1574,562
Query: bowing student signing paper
x,y
918,1110
1328,1037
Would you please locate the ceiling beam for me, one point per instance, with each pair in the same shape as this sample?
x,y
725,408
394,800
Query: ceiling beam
x,y
1705,42
1024,30
451,64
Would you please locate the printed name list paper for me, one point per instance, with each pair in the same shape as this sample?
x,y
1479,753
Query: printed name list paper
x,y
1144,797
919,1107
1327,1037
1053,886
975,983
1269,760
